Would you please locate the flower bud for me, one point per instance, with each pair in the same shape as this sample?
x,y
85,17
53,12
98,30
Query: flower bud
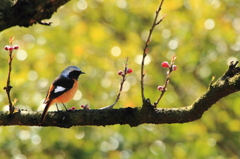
x,y
129,70
7,48
165,64
160,88
15,47
174,67
120,72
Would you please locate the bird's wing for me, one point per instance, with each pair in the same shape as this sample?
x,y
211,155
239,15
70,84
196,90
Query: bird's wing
x,y
59,86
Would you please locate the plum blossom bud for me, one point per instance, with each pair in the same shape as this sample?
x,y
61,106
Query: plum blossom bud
x,y
15,47
129,70
7,48
174,67
160,88
120,72
165,64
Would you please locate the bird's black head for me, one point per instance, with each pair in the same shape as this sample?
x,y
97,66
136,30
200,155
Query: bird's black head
x,y
72,72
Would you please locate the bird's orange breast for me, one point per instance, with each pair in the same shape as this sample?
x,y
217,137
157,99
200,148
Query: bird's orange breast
x,y
67,96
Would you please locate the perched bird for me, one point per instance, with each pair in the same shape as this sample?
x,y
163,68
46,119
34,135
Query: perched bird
x,y
62,89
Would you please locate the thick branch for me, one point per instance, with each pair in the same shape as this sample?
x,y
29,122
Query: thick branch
x,y
225,85
132,116
27,12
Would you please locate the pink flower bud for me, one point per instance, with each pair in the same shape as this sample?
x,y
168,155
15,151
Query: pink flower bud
x,y
10,48
15,47
165,64
85,106
6,47
174,67
129,70
120,72
160,88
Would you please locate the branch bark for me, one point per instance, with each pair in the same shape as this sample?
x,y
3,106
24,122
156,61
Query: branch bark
x,y
227,84
27,12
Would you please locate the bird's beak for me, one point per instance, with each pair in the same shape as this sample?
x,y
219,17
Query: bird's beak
x,y
82,72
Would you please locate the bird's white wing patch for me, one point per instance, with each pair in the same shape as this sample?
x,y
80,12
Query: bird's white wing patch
x,y
59,89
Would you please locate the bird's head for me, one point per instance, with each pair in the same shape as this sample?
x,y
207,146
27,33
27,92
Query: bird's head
x,y
72,72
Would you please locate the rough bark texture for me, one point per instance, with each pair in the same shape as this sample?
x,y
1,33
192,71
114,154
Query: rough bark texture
x,y
27,12
227,84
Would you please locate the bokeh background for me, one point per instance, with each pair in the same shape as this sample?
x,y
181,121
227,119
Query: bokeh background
x,y
97,36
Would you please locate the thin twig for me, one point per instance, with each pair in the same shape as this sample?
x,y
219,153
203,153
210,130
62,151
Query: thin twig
x,y
121,85
166,81
145,50
8,86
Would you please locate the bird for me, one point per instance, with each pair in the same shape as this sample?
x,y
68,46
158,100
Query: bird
x,y
63,89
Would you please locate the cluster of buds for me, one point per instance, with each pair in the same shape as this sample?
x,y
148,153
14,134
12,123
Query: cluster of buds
x,y
121,73
167,65
73,108
11,48
85,106
171,67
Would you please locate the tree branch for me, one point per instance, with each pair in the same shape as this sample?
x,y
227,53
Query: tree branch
x,y
225,85
145,49
26,13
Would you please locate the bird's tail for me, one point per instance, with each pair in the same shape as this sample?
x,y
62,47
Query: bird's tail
x,y
45,111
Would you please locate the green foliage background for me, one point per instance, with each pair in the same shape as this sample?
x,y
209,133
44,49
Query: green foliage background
x,y
97,36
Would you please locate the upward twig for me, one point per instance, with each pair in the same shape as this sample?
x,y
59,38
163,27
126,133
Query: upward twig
x,y
164,88
8,87
123,74
145,50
